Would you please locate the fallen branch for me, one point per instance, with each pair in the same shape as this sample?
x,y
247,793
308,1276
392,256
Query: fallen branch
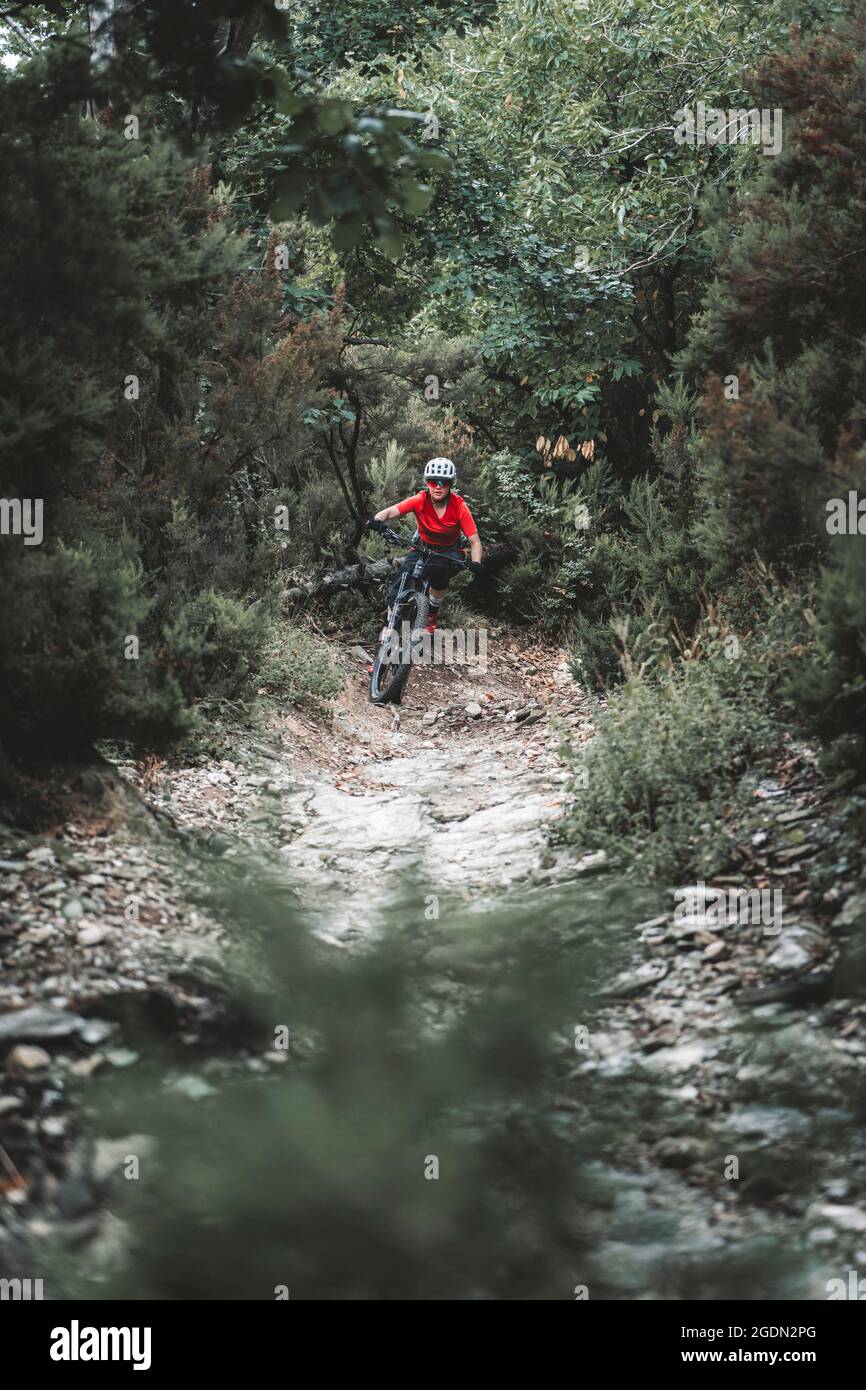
x,y
359,576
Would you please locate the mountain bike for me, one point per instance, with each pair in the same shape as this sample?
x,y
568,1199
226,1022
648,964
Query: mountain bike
x,y
410,607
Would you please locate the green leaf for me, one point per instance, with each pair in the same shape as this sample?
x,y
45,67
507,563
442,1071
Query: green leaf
x,y
332,117
347,232
390,241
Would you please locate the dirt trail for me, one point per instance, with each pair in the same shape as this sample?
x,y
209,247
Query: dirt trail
x,y
453,799
450,793
352,802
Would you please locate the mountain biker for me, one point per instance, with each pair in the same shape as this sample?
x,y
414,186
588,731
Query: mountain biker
x,y
442,517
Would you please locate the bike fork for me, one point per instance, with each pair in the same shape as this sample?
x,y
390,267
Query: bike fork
x,y
394,610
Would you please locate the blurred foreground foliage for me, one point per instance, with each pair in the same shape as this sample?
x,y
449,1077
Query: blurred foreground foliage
x,y
317,1178
314,1177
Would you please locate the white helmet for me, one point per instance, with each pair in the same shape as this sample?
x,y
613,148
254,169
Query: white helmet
x,y
440,468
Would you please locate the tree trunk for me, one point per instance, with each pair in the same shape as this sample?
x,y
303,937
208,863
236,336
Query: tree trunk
x,y
108,28
236,39
241,35
107,24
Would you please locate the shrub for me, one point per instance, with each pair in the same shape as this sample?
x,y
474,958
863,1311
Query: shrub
x,y
68,676
541,520
830,686
663,764
758,477
297,666
675,739
214,643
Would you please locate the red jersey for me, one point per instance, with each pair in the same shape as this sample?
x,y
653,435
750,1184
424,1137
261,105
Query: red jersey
x,y
444,530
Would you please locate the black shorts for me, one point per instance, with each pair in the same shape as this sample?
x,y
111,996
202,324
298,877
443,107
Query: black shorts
x,y
439,570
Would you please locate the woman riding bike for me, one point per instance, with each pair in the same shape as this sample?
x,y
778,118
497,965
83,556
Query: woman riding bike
x,y
442,517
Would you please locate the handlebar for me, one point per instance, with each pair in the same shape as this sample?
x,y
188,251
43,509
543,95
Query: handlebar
x,y
394,538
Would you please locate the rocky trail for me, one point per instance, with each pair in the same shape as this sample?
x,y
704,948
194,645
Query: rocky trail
x,y
437,815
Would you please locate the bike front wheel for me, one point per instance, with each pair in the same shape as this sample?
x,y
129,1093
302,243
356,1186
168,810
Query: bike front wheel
x,y
393,662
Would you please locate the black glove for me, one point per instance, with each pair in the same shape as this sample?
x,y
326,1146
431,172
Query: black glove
x,y
375,525
474,566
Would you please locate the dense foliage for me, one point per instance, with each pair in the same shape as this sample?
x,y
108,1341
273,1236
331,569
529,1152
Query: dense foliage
x,y
260,261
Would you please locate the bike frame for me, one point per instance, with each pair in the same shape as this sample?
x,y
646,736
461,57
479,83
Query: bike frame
x,y
414,581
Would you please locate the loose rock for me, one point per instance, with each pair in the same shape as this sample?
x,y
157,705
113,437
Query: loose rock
x,y
25,1061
